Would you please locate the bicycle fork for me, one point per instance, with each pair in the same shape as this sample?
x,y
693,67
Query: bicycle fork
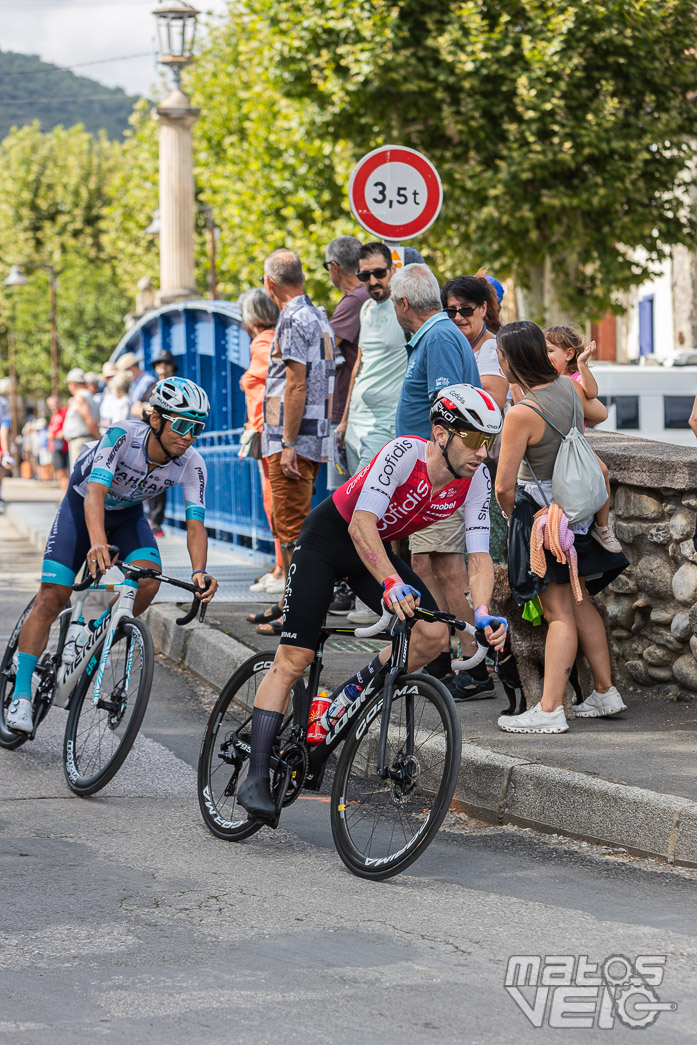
x,y
400,650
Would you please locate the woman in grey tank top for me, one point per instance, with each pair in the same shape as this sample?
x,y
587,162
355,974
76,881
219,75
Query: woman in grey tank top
x,y
524,360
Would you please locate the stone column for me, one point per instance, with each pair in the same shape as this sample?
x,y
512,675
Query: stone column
x,y
176,117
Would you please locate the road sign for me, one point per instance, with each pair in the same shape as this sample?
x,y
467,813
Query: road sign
x,y
395,193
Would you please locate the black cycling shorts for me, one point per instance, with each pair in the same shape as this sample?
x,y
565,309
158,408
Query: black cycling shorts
x,y
324,555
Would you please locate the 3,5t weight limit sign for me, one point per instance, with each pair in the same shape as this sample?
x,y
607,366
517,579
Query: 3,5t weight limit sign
x,y
395,193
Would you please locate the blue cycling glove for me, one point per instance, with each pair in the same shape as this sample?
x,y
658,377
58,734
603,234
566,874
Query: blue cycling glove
x,y
395,589
483,619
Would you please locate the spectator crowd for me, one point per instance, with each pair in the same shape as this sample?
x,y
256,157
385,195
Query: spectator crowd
x,y
338,388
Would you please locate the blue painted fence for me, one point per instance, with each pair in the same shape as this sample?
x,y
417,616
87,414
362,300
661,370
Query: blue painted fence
x,y
211,348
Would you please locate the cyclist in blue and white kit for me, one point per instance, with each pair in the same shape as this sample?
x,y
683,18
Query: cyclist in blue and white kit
x,y
104,505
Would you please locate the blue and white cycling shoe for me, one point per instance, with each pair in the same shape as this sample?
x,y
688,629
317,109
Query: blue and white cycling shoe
x,y
19,716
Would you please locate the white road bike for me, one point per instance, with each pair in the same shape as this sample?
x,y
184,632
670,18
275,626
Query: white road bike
x,y
105,688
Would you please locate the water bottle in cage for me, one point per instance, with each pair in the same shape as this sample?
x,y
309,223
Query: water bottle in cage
x,y
316,731
341,702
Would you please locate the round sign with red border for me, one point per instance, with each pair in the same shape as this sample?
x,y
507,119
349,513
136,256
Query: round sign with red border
x,y
395,193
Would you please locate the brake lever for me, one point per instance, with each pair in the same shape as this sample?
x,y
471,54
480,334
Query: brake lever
x,y
196,605
88,580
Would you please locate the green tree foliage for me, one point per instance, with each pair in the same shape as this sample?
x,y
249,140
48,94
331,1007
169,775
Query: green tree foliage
x,y
34,90
561,131
55,190
264,162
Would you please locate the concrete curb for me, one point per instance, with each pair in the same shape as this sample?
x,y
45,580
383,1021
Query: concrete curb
x,y
498,788
507,790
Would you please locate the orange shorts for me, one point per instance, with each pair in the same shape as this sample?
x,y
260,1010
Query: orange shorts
x,y
292,498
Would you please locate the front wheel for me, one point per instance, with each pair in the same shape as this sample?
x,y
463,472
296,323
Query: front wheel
x,y
223,762
99,736
380,826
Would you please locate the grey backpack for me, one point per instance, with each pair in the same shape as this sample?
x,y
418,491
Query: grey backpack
x,y
578,483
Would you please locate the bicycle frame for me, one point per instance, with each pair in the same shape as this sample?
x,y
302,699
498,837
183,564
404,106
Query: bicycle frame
x,y
396,665
68,675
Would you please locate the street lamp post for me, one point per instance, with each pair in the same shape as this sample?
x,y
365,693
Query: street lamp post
x,y
176,29
212,230
16,278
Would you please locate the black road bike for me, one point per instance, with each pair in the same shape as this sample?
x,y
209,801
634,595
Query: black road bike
x,y
397,770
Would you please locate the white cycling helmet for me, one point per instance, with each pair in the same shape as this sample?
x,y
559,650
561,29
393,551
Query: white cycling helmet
x,y
178,395
464,408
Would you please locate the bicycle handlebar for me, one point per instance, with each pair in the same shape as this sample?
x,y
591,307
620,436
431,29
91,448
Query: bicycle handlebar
x,y
88,579
434,615
143,572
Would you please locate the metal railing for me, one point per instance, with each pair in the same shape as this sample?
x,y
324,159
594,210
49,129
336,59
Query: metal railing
x,y
234,506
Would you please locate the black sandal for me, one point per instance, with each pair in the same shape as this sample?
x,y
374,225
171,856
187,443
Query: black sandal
x,y
274,627
271,613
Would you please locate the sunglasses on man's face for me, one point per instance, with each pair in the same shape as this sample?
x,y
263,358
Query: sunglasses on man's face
x,y
184,425
377,273
474,440
464,310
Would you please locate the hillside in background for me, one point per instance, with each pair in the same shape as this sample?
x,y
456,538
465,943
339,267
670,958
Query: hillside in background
x,y
34,90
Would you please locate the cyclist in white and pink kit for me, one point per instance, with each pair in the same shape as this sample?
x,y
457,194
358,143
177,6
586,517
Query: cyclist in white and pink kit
x,y
408,485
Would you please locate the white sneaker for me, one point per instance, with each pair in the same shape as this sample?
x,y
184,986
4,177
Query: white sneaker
x,y
362,615
19,716
601,705
535,720
606,538
275,585
260,585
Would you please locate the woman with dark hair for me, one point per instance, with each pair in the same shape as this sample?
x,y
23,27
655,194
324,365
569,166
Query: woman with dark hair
x,y
466,300
529,448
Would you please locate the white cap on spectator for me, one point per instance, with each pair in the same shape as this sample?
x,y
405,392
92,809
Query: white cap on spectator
x,y
126,361
75,376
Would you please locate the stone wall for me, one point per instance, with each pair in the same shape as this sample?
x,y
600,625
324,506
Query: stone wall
x,y
652,606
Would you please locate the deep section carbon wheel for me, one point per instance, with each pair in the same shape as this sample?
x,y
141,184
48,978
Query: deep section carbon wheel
x,y
223,762
99,736
381,825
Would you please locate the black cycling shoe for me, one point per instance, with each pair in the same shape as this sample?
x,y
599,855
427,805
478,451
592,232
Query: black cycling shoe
x,y
464,687
255,796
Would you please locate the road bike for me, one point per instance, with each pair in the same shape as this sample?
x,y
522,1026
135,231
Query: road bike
x,y
396,773
105,688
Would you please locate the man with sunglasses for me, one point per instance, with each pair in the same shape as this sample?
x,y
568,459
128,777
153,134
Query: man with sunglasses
x,y
409,484
341,260
376,383
104,505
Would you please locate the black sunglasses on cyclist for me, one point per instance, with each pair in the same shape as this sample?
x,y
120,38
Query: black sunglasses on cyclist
x,y
184,425
464,310
474,440
378,273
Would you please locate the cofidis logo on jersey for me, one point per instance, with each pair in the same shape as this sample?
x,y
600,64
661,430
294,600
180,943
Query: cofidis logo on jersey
x,y
400,448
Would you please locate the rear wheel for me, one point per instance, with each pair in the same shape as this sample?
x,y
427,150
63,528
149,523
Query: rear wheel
x,y
43,681
381,826
99,736
223,762
8,669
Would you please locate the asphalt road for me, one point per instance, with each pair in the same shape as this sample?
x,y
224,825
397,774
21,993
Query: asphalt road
x,y
124,920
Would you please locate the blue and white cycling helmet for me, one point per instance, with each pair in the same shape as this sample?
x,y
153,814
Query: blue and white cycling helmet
x,y
178,395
